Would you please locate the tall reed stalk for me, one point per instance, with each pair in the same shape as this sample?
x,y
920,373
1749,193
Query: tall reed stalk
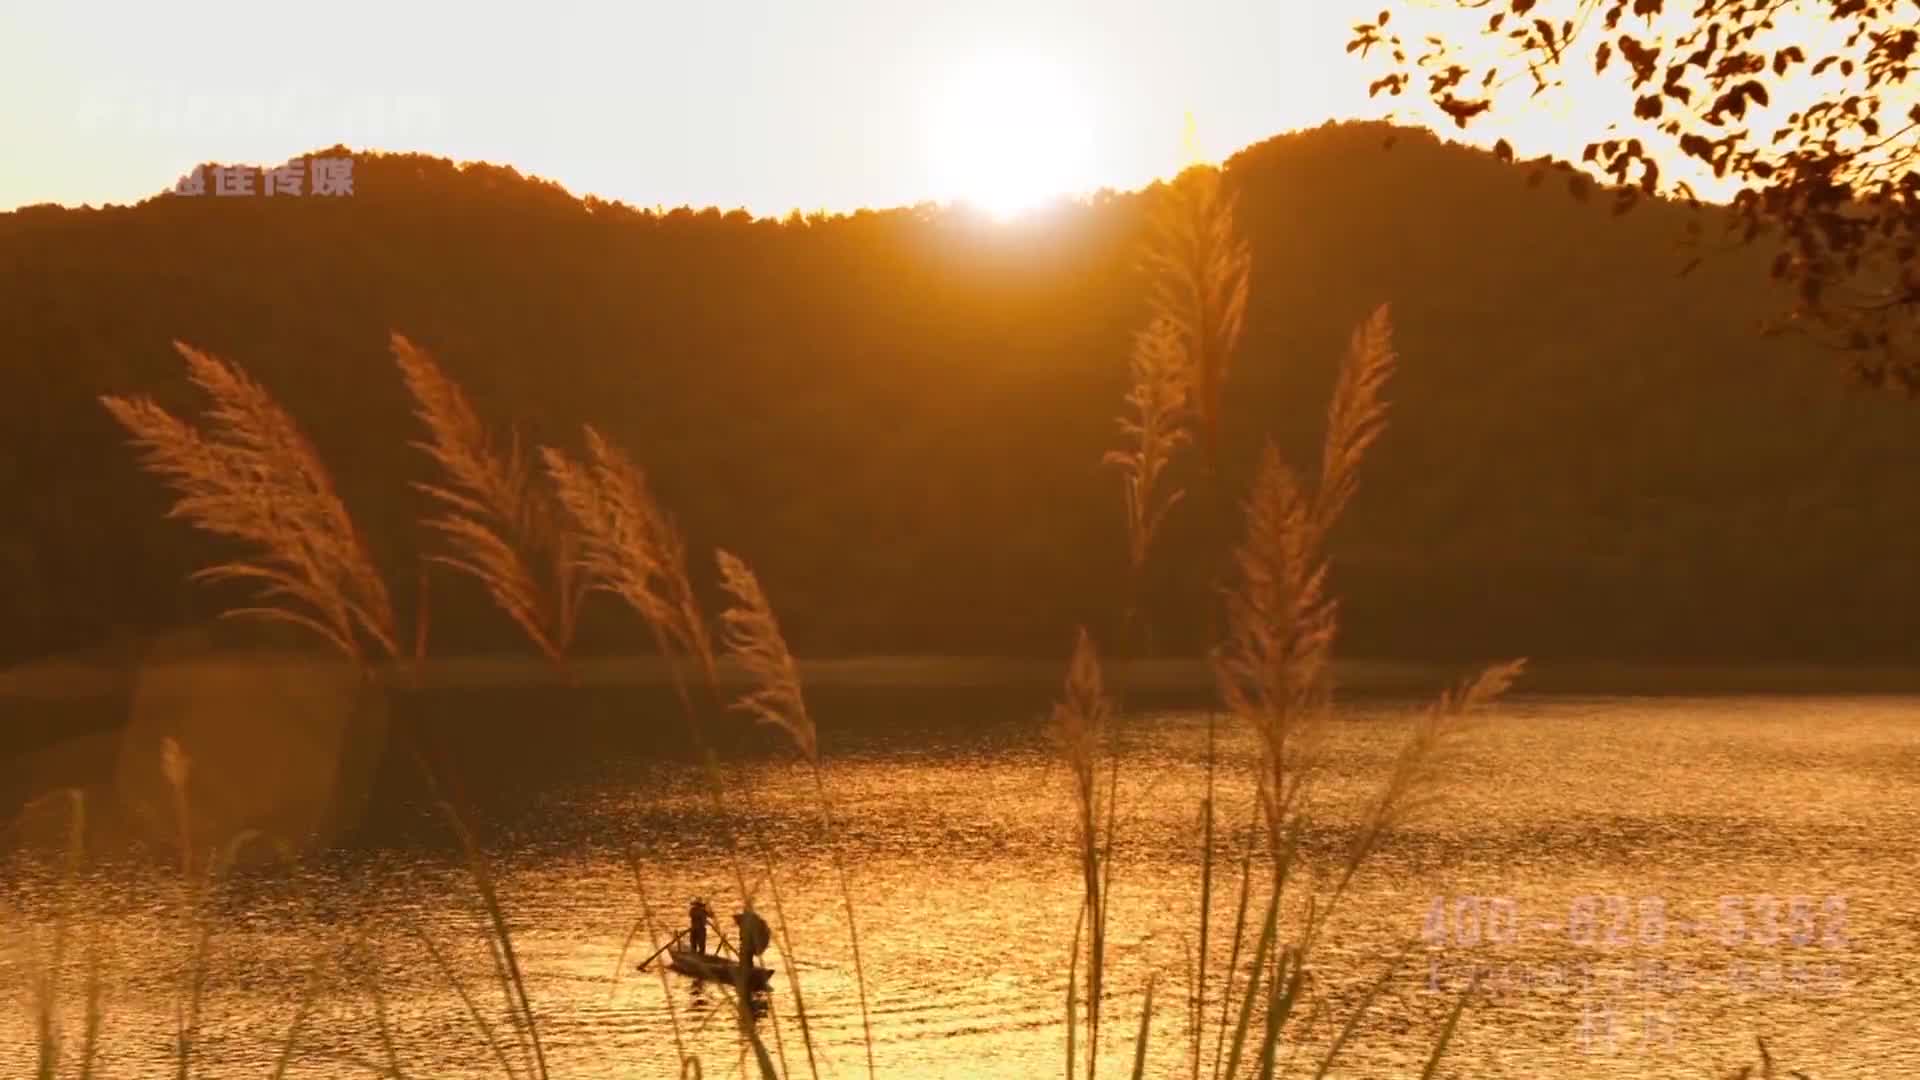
x,y
1275,626
248,473
629,546
198,881
1200,268
48,975
506,959
501,524
753,639
251,475
1197,298
1080,724
647,922
1275,675
1155,431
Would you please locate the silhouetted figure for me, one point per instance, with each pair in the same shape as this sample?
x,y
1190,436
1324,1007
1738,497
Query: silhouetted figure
x,y
754,936
697,924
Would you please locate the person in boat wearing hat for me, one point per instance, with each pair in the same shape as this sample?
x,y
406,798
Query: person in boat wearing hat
x,y
697,917
754,935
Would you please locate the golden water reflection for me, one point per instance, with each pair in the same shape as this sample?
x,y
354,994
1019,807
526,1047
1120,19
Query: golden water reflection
x,y
966,887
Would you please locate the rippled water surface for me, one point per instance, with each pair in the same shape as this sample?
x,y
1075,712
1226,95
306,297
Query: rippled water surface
x,y
1580,854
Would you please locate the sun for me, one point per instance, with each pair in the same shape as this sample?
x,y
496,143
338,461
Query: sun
x,y
1006,132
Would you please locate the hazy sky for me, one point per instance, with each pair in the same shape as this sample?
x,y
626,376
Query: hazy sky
x,y
809,103
771,106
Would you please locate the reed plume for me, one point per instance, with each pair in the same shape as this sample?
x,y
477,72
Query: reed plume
x,y
1078,725
1275,668
753,639
1156,429
1275,673
1081,720
1420,764
627,545
1356,417
249,474
1199,266
497,518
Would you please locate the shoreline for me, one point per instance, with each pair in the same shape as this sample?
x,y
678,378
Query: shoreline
x,y
70,679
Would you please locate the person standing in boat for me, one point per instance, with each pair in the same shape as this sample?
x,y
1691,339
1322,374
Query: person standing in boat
x,y
697,917
754,935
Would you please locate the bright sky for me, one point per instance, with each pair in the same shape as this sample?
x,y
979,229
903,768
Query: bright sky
x,y
802,103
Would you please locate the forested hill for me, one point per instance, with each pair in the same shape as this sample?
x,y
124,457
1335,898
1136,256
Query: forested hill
x,y
898,416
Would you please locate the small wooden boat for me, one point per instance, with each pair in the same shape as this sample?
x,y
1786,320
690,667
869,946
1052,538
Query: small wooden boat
x,y
716,968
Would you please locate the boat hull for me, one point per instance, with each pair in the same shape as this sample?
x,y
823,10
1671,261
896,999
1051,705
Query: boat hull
x,y
716,968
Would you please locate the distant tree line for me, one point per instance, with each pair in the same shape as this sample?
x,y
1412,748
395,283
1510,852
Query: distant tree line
x,y
898,416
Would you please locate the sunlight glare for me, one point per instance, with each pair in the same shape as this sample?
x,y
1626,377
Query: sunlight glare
x,y
1007,132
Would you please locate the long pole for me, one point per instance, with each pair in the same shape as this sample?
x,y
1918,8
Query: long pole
x,y
661,949
722,935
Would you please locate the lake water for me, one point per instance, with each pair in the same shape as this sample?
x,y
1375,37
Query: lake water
x,y
954,818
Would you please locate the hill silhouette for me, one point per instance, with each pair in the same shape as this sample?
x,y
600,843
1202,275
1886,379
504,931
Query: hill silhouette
x,y
897,416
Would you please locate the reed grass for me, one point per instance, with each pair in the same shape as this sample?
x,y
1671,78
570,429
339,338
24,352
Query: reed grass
x,y
1154,431
1146,1027
539,540
199,880
291,1041
1768,1068
474,1012
753,639
630,547
47,976
250,474
1199,267
1273,666
1080,725
496,517
382,1027
647,922
506,960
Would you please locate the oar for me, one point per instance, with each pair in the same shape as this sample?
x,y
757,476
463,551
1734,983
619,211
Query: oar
x,y
661,949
